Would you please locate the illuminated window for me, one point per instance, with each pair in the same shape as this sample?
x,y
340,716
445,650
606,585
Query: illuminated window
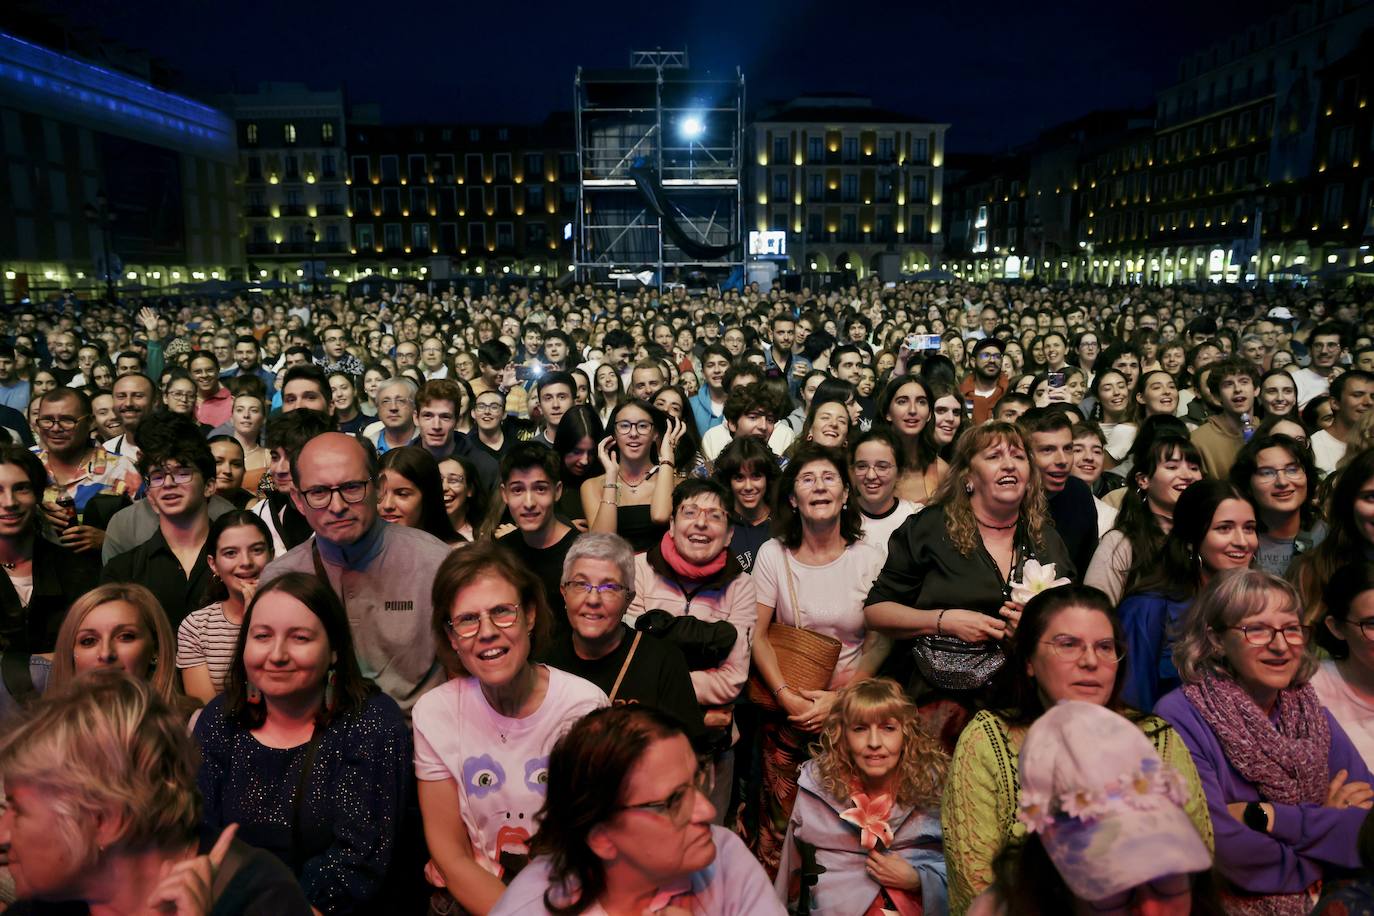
x,y
290,133
327,131
252,131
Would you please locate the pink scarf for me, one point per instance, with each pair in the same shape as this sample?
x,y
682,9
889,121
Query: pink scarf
x,y
686,568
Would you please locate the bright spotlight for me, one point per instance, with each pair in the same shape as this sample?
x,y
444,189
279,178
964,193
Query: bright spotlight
x,y
692,127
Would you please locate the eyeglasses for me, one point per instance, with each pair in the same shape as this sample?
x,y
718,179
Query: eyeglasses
x,y
352,491
692,513
882,467
1292,472
394,402
637,426
1366,627
182,395
1261,634
1071,648
678,806
487,408
605,589
59,422
163,476
466,626
457,481
1163,887
811,481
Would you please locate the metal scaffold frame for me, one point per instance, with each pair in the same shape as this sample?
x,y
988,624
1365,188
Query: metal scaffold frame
x,y
660,156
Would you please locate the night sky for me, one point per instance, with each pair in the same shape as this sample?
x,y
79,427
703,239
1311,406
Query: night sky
x,y
999,71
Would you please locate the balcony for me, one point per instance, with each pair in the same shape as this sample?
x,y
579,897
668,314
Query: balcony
x,y
293,210
330,210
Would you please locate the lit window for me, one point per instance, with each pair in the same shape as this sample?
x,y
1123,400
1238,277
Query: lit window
x,y
290,131
327,131
252,133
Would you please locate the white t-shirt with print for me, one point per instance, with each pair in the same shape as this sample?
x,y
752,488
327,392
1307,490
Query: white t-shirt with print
x,y
499,764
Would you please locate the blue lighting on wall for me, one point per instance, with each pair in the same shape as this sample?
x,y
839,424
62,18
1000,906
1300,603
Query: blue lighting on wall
x,y
47,77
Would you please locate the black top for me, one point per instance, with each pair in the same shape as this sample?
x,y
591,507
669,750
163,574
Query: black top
x,y
487,465
547,564
745,541
357,792
925,570
250,882
153,564
657,676
1075,518
60,576
356,425
636,525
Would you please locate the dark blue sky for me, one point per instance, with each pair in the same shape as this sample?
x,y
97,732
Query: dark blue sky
x,y
999,71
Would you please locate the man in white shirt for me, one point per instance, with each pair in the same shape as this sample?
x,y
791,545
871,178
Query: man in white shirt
x,y
1353,392
1327,346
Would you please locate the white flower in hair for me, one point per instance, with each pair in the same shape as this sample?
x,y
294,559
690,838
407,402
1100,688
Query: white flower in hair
x,y
1035,578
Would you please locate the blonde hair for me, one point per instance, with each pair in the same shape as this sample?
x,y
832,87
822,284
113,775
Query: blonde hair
x,y
923,763
106,744
1229,598
162,676
954,496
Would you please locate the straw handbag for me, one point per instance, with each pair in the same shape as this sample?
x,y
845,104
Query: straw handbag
x,y
805,658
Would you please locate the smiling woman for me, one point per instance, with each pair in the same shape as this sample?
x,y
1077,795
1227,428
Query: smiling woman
x,y
482,739
1069,646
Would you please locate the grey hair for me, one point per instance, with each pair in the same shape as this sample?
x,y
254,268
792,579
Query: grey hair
x,y
600,545
411,388
1229,598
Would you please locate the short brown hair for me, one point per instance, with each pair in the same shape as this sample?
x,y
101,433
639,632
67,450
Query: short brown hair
x,y
459,570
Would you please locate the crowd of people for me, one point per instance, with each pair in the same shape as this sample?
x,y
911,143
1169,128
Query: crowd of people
x,y
914,598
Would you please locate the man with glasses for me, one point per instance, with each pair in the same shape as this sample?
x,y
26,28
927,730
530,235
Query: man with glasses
x,y
432,358
396,411
531,489
488,433
180,470
336,357
986,384
598,582
78,470
1327,346
381,573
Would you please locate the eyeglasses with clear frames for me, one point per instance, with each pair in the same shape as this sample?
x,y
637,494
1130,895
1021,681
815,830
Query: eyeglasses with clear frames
x,y
1071,648
678,806
1292,472
811,481
163,476
690,513
882,467
455,481
466,626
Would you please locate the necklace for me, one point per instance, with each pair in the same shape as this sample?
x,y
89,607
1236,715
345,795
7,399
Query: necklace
x,y
635,486
994,527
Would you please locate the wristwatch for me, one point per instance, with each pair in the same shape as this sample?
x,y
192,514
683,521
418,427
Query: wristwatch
x,y
1255,818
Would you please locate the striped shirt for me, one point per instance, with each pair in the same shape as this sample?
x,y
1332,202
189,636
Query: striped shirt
x,y
207,637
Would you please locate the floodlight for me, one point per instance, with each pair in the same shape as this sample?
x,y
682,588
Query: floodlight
x,y
692,127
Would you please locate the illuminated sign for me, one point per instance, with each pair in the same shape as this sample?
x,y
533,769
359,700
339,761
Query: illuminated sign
x,y
770,244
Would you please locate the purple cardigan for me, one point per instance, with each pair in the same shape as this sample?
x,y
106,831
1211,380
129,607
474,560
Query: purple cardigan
x,y
1305,839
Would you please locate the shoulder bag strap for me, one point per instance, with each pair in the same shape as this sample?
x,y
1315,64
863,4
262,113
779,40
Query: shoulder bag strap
x,y
298,801
791,589
615,688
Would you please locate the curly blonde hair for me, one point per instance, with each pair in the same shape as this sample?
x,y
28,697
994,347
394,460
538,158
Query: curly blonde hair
x,y
953,492
923,765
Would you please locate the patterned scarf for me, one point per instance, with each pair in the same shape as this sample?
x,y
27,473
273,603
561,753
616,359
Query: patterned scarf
x,y
1286,761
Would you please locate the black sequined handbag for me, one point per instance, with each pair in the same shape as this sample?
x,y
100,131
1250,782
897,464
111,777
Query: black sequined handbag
x,y
949,663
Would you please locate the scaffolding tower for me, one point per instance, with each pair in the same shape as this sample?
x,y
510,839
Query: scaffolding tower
x,y
661,159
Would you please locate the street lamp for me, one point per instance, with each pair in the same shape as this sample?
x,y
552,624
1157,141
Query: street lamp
x,y
101,214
